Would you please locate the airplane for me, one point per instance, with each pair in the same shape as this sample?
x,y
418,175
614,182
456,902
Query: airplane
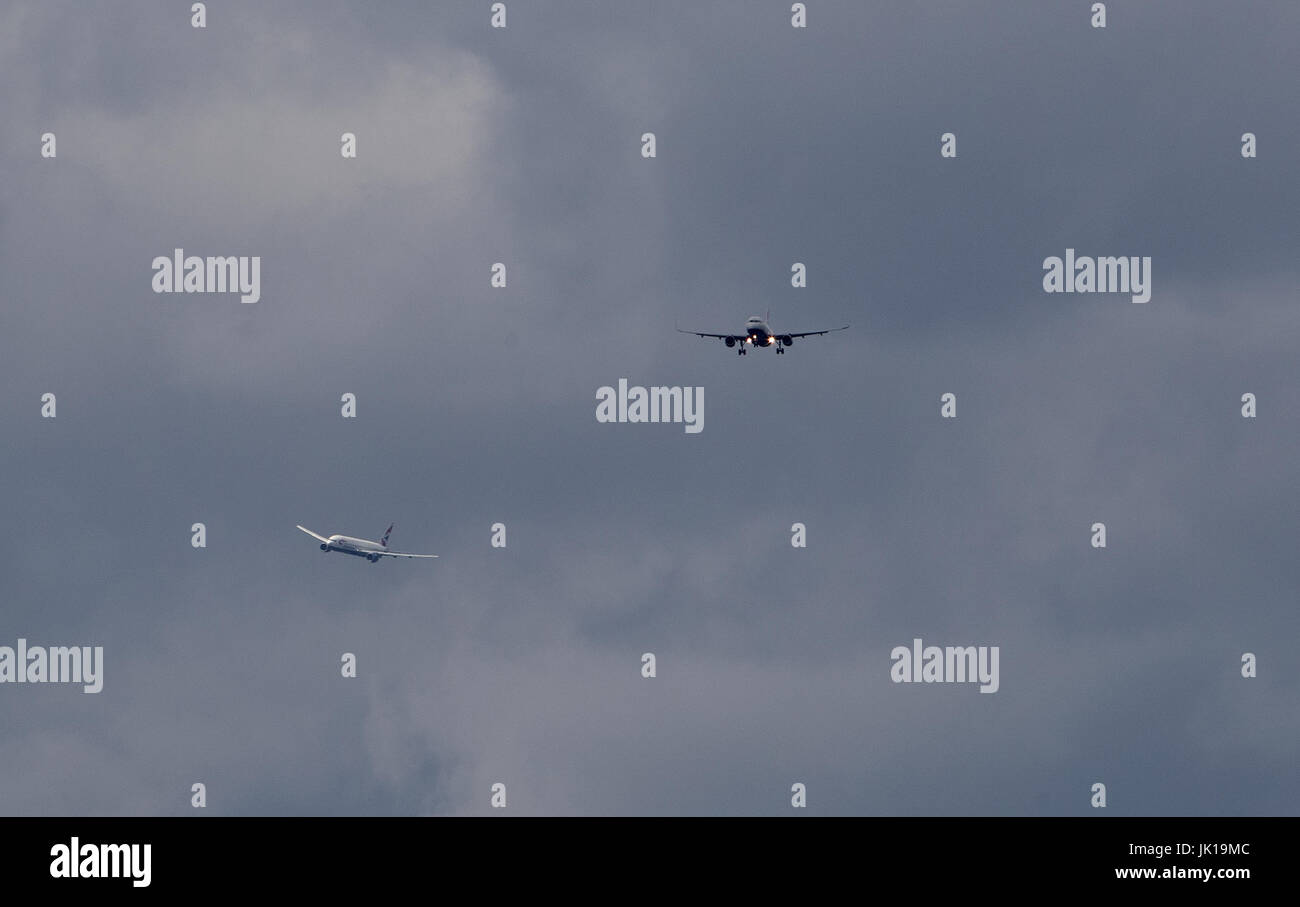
x,y
371,551
757,333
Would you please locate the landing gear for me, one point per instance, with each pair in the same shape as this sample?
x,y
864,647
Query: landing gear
x,y
780,351
740,352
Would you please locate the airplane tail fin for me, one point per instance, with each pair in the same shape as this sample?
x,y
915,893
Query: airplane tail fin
x,y
384,540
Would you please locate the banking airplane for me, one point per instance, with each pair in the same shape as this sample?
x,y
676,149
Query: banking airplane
x,y
371,551
757,333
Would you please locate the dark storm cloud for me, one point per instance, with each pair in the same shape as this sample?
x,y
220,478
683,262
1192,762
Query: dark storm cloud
x,y
477,405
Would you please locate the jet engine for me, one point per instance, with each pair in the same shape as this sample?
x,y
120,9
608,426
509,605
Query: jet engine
x,y
729,341
786,339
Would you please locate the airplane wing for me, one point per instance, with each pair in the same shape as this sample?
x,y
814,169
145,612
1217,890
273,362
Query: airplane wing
x,y
314,535
737,337
814,333
400,554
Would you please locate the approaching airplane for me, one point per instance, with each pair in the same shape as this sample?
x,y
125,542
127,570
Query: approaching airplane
x,y
757,333
371,551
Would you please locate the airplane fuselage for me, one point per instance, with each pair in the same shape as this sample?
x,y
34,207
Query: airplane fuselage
x,y
348,545
758,333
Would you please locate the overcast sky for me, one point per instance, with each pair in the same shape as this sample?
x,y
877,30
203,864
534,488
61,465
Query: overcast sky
x,y
476,405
